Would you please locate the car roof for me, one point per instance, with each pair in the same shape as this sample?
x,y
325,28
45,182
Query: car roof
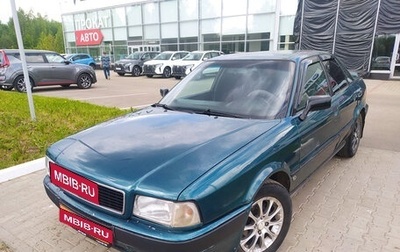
x,y
272,55
13,51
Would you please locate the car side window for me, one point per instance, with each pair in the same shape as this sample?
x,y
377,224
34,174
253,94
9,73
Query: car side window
x,y
207,56
54,58
314,83
34,58
337,77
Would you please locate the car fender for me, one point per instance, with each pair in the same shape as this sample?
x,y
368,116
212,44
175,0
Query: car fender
x,y
266,174
18,73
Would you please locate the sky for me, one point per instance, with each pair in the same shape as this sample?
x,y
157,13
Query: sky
x,y
54,8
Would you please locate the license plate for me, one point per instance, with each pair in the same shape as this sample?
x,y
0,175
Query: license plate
x,y
101,234
117,68
74,183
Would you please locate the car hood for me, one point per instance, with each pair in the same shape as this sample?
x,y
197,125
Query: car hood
x,y
125,61
155,62
155,151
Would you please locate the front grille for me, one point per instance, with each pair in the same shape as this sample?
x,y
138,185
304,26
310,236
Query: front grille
x,y
178,69
111,198
148,69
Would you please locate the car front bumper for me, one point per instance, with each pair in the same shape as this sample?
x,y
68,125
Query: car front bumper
x,y
136,235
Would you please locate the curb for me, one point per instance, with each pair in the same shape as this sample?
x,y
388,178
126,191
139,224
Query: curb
x,y
21,169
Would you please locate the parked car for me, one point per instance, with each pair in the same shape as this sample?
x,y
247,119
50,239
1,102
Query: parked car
x,y
44,68
191,61
211,166
162,64
133,63
81,58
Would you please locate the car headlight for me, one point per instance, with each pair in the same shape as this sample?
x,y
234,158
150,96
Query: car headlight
x,y
158,66
188,69
168,213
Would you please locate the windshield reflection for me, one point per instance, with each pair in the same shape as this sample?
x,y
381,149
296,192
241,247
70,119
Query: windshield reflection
x,y
243,89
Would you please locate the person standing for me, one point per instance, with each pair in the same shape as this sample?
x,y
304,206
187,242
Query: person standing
x,y
105,64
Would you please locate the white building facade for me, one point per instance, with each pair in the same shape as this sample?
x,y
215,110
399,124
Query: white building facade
x,y
230,26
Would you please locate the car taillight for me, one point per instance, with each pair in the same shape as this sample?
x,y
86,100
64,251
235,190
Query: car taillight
x,y
5,62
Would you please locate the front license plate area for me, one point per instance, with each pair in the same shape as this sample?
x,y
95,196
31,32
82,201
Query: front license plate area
x,y
101,234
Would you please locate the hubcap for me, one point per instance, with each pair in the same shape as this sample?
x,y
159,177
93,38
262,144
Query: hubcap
x,y
21,85
355,140
263,225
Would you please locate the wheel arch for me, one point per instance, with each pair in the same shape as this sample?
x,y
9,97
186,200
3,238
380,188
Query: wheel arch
x,y
31,79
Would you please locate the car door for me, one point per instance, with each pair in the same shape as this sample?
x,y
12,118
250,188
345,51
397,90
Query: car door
x,y
60,71
318,131
38,68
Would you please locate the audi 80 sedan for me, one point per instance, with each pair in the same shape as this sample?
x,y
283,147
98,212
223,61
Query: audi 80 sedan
x,y
211,166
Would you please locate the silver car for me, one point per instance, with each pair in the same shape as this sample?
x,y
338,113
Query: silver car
x,y
45,68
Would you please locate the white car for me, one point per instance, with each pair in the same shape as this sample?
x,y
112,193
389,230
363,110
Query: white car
x,y
191,61
162,64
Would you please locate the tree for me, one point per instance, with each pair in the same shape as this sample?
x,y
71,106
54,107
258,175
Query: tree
x,y
37,33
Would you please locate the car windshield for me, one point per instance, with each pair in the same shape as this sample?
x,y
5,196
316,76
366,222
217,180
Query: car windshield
x,y
193,56
134,56
243,88
163,56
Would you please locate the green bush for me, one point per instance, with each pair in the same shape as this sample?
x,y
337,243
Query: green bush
x,y
22,139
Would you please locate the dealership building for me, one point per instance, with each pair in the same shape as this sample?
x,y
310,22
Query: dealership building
x,y
223,25
365,35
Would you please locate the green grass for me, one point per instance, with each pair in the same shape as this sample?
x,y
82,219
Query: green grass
x,y
22,139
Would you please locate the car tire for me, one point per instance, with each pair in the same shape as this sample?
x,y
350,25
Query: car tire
x,y
93,66
178,77
269,219
353,140
167,72
19,84
136,71
84,81
121,74
149,75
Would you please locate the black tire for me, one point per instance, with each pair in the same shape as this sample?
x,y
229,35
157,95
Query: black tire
x,y
269,219
121,74
136,71
93,66
353,140
177,77
149,75
19,84
167,72
84,81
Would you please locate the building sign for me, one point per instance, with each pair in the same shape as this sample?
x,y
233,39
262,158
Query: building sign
x,y
93,23
88,37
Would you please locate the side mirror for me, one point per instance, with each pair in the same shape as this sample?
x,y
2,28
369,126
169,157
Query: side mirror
x,y
164,92
314,103
204,59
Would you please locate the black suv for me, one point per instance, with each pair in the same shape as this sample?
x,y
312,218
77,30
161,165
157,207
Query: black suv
x,y
45,68
133,63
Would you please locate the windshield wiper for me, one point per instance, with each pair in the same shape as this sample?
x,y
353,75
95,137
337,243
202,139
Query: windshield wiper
x,y
210,112
161,105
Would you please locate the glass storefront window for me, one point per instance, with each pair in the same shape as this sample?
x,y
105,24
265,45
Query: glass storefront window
x,y
105,16
119,17
68,22
286,25
188,40
169,30
230,8
134,14
286,42
188,47
135,31
255,46
70,37
211,37
234,25
382,52
169,48
150,13
210,8
189,29
188,10
267,21
151,32
107,34
258,36
288,7
235,37
257,6
211,26
120,34
232,47
169,11
211,46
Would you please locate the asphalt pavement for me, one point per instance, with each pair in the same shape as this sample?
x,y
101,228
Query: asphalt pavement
x,y
346,205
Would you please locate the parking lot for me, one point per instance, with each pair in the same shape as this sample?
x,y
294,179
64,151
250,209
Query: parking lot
x,y
346,205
